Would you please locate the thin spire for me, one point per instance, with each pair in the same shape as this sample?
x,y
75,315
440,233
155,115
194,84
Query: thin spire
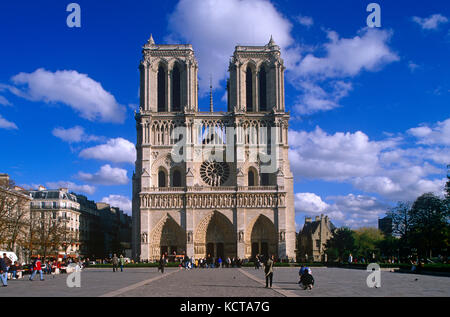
x,y
210,95
271,41
151,41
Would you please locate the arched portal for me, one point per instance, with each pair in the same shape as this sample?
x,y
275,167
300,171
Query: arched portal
x,y
215,236
262,237
167,237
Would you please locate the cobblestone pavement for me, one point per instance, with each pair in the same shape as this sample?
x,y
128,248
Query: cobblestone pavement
x,y
244,282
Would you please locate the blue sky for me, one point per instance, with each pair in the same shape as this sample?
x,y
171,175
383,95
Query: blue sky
x,y
370,115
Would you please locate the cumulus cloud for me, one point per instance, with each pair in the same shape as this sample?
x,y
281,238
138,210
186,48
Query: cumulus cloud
x,y
73,135
119,201
347,57
88,189
5,124
107,175
78,91
215,27
323,81
437,134
392,168
115,150
345,210
432,22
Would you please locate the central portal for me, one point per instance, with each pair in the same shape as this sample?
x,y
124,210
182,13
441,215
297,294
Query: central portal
x,y
215,237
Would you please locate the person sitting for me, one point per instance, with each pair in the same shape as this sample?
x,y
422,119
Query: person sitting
x,y
307,280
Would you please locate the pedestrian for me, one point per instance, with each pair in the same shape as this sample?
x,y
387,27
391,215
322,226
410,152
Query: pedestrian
x,y
307,280
13,270
37,267
3,271
257,262
122,262
115,262
268,270
350,259
162,263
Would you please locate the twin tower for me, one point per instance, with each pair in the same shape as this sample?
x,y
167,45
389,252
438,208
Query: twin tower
x,y
212,184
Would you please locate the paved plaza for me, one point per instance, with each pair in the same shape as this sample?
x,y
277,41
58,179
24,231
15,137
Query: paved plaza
x,y
244,282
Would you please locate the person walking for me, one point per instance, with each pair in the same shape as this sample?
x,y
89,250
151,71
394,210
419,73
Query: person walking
x,y
268,269
122,262
115,262
3,271
37,267
162,263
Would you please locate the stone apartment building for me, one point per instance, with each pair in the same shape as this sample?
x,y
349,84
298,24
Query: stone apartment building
x,y
312,239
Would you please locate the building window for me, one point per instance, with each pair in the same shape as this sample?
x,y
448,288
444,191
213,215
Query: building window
x,y
249,89
318,244
264,179
161,89
176,179
262,90
161,179
251,178
176,89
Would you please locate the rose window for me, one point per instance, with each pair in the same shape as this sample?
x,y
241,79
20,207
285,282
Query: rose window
x,y
214,173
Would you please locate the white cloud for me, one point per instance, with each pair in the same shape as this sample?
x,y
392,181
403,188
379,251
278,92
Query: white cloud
x,y
412,66
71,186
347,57
69,87
305,20
346,210
215,27
122,202
315,98
340,156
115,150
73,135
438,134
432,22
5,124
107,175
4,101
392,168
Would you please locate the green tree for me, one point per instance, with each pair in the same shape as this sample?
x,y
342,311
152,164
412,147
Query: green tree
x,y
401,225
429,224
341,244
366,241
389,246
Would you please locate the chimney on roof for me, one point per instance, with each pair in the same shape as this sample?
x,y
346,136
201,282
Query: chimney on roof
x,y
64,189
41,188
317,218
307,219
4,180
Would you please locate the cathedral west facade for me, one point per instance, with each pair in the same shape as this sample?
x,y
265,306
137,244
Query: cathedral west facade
x,y
212,183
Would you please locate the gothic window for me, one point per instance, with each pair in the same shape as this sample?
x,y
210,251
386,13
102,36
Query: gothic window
x,y
176,89
249,89
161,89
176,179
161,179
251,178
262,90
214,173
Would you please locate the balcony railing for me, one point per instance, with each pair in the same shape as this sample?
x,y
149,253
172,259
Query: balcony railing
x,y
195,189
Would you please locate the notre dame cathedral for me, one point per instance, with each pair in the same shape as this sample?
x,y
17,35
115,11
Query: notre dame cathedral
x,y
212,183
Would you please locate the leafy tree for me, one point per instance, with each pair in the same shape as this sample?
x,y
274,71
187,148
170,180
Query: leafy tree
x,y
341,244
389,246
429,223
401,224
366,240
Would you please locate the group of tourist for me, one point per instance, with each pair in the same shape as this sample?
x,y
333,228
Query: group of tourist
x,y
10,270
